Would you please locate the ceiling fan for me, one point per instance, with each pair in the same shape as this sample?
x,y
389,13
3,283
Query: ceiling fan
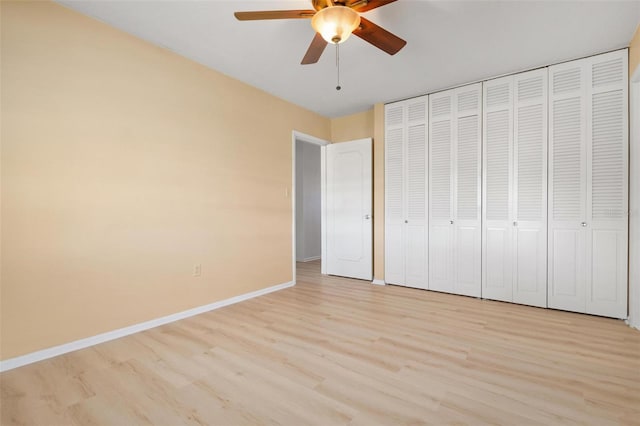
x,y
334,21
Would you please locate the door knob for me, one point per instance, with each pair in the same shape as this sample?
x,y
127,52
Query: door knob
x,y
406,221
451,222
515,223
584,224
367,216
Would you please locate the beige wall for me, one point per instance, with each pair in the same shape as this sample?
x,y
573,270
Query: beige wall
x,y
634,52
378,191
351,127
123,165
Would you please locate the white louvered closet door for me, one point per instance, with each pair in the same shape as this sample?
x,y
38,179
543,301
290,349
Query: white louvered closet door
x,y
394,239
406,193
454,190
588,181
441,231
467,190
497,230
530,188
416,193
607,184
567,187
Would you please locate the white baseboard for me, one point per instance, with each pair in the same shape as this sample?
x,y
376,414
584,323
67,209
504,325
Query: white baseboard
x,y
310,259
378,282
43,354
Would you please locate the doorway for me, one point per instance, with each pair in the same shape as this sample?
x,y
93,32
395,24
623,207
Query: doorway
x,y
307,198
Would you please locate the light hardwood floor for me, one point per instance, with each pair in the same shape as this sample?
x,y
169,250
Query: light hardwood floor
x,y
334,351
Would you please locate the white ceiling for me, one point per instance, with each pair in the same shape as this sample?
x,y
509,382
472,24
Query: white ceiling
x,y
448,43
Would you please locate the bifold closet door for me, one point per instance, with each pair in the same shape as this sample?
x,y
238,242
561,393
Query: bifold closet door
x,y
607,183
394,183
440,192
497,230
416,253
467,199
530,141
567,186
515,186
406,193
588,181
454,191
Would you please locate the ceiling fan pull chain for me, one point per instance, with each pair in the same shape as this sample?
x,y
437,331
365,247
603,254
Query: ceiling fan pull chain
x,y
338,64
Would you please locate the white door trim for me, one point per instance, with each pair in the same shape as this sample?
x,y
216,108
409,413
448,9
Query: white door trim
x,y
634,200
302,137
323,210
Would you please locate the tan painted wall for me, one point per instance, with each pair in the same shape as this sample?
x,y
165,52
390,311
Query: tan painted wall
x,y
378,191
350,127
123,165
634,52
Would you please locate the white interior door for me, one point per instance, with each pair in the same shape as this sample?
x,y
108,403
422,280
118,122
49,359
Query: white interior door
x,y
349,209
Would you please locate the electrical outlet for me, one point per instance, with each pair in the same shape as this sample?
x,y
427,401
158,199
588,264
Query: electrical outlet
x,y
197,270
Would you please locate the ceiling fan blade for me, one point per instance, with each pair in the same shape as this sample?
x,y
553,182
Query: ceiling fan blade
x,y
274,14
366,5
315,50
379,37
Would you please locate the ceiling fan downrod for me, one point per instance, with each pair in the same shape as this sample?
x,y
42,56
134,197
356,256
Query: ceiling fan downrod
x,y
338,87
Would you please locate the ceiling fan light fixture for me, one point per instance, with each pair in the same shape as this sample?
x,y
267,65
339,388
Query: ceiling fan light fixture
x,y
335,23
